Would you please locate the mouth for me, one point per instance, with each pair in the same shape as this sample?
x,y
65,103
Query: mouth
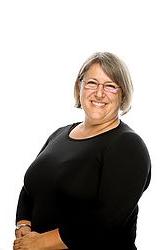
x,y
98,104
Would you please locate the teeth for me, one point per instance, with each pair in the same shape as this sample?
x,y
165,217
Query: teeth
x,y
98,104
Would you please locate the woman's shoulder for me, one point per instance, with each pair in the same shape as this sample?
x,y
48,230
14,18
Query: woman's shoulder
x,y
128,143
127,137
127,132
60,130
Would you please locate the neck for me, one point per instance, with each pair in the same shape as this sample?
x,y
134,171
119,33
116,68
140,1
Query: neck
x,y
97,127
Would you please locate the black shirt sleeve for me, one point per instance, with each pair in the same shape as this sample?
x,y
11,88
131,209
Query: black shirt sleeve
x,y
24,207
124,176
25,203
123,184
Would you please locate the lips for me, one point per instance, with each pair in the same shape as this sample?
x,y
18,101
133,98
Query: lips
x,y
98,104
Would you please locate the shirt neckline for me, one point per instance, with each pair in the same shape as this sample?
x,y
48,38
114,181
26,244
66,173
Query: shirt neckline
x,y
91,137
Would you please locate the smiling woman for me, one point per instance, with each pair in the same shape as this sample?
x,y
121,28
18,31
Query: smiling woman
x,y
103,87
82,190
114,70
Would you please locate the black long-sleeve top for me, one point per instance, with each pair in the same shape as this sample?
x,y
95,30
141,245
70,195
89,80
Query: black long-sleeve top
x,y
88,188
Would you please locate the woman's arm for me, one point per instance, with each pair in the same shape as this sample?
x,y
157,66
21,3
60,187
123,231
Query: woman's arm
x,y
53,240
23,227
23,215
24,208
46,241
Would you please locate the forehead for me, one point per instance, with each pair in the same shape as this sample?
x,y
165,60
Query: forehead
x,y
95,71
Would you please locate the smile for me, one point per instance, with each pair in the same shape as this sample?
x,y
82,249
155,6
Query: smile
x,y
98,104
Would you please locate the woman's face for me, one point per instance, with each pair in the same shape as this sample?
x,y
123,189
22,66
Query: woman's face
x,y
100,106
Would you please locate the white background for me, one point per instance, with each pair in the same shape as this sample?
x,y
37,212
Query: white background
x,y
42,46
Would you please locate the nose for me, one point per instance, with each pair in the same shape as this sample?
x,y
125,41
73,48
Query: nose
x,y
100,91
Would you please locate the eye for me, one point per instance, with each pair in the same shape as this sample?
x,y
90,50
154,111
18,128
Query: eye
x,y
111,86
91,84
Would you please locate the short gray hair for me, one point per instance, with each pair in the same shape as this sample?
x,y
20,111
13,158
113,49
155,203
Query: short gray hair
x,y
115,69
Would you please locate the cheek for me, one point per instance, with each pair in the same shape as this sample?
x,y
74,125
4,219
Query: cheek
x,y
115,99
115,103
84,96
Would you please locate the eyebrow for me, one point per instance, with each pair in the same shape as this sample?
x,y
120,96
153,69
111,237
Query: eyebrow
x,y
109,81
106,82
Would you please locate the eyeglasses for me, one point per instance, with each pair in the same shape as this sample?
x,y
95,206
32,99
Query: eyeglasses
x,y
108,87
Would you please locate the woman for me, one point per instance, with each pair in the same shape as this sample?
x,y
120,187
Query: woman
x,y
82,190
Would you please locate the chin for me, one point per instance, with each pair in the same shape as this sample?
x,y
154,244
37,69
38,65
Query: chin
x,y
96,119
